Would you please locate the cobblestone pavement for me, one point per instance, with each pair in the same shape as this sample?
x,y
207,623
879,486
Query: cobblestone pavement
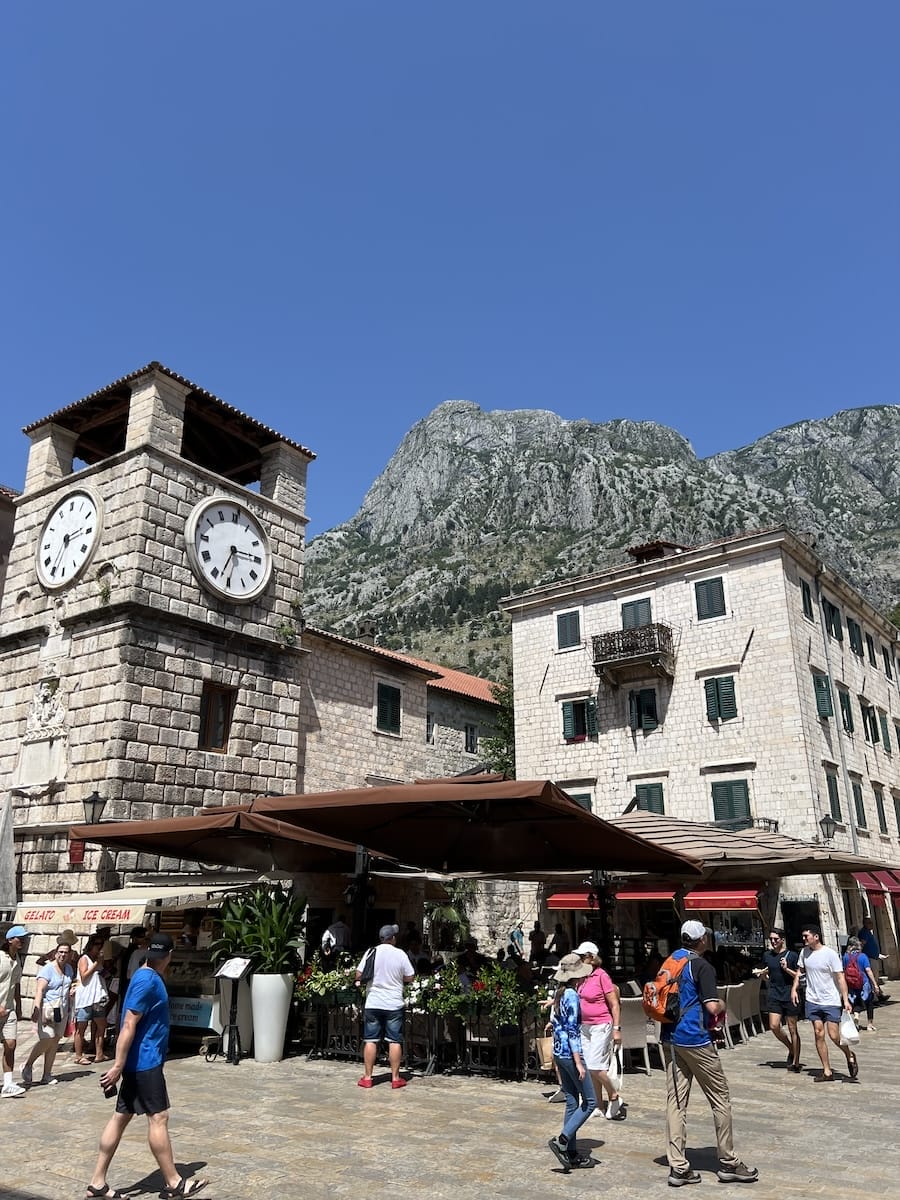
x,y
304,1129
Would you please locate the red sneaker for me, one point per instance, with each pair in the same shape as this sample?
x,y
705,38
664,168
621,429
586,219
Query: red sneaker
x,y
366,1081
398,1083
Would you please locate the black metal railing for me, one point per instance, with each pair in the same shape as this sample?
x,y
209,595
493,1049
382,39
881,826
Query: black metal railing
x,y
620,645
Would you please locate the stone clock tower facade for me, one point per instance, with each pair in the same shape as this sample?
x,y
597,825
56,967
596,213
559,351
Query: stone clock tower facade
x,y
151,619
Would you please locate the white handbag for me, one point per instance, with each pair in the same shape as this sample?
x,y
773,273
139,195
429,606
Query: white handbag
x,y
615,1069
849,1032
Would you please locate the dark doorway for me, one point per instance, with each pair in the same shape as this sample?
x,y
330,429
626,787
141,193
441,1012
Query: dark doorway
x,y
796,914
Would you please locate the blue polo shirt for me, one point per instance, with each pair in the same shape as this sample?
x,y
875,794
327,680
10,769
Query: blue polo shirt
x,y
696,984
147,995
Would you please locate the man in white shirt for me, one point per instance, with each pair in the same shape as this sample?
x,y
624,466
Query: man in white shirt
x,y
12,945
383,1013
826,995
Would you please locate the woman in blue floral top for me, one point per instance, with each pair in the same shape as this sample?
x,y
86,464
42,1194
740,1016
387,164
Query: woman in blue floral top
x,y
575,1079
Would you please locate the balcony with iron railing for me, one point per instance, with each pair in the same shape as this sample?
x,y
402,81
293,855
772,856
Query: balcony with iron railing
x,y
768,824
625,654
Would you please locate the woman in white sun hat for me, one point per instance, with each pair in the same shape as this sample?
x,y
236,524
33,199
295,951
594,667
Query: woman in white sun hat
x,y
574,1077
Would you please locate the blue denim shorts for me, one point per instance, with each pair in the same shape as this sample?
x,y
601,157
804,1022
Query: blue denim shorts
x,y
823,1012
91,1013
380,1024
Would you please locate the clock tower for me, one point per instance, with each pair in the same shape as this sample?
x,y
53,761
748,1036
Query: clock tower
x,y
151,617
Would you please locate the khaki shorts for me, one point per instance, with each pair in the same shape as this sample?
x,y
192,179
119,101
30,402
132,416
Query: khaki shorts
x,y
10,1028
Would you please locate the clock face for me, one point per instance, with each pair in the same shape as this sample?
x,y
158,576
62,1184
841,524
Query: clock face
x,y
67,539
228,549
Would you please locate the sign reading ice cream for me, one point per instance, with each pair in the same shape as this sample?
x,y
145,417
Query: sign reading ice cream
x,y
71,913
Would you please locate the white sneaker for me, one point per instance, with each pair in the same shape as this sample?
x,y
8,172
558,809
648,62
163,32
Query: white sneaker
x,y
613,1108
49,1080
12,1089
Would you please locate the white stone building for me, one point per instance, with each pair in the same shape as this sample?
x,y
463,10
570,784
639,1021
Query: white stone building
x,y
741,681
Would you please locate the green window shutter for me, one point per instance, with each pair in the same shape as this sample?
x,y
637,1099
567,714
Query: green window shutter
x,y
854,635
872,722
650,797
635,614
806,596
634,710
388,714
846,710
885,732
712,699
897,734
886,655
727,698
581,798
590,716
879,808
824,703
858,803
568,630
897,813
833,619
710,594
870,649
647,700
731,801
834,797
568,715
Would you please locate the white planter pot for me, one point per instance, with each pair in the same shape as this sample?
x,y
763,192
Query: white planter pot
x,y
271,996
244,1013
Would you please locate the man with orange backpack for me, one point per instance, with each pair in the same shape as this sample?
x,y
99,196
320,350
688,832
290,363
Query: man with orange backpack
x,y
687,982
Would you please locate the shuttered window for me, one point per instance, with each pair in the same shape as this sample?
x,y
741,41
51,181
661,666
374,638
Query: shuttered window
x,y
635,614
824,703
897,813
869,721
846,710
806,597
721,704
568,629
834,796
710,595
858,803
886,655
579,719
642,709
885,732
650,797
870,650
879,808
854,636
387,717
731,803
581,798
832,615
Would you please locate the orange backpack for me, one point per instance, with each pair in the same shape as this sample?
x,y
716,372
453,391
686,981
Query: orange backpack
x,y
660,998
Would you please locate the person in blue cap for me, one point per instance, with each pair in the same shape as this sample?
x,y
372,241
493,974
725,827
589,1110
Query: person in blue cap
x,y
11,950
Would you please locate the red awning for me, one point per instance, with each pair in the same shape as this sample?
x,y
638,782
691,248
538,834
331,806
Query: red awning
x,y
722,899
889,882
867,882
646,894
572,901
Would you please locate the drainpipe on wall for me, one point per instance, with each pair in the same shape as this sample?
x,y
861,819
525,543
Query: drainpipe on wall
x,y
839,723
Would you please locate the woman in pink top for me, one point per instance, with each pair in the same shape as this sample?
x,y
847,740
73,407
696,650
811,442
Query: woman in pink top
x,y
600,1028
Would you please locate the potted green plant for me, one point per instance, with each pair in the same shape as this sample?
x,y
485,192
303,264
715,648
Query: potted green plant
x,y
265,923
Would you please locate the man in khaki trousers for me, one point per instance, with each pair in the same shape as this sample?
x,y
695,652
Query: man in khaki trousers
x,y
690,1054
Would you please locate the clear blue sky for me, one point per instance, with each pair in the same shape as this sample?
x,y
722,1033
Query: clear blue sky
x,y
337,215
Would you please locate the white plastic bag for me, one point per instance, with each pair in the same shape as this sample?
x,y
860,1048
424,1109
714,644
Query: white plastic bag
x,y
615,1070
849,1032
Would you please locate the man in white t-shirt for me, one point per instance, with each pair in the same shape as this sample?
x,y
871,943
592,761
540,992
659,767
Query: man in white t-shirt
x,y
383,1013
826,995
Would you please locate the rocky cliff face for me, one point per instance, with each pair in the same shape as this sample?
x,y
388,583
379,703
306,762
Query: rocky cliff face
x,y
476,505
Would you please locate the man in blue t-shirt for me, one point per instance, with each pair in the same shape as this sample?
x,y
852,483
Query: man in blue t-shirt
x,y
690,1054
140,1055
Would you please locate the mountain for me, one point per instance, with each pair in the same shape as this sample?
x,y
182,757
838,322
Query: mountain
x,y
474,505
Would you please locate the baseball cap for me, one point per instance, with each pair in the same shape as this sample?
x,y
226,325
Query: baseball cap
x,y
159,946
386,932
694,930
587,948
16,931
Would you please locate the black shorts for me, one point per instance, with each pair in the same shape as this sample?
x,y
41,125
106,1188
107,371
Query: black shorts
x,y
143,1092
783,1007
